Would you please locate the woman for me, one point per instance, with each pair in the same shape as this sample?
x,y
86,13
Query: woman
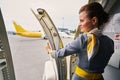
x,y
92,47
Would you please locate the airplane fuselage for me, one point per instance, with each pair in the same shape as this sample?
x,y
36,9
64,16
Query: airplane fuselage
x,y
30,34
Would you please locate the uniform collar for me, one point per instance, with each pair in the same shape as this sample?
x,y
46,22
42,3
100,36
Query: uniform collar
x,y
95,31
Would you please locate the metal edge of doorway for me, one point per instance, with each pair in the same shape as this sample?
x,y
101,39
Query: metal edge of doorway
x,y
54,39
6,66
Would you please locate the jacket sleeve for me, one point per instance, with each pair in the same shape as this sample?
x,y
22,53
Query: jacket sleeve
x,y
70,48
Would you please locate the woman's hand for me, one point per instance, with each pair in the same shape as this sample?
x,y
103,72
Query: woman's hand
x,y
48,48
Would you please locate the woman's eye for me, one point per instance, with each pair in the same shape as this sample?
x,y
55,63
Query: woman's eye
x,y
81,20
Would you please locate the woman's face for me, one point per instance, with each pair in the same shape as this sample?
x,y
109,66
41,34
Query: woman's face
x,y
86,24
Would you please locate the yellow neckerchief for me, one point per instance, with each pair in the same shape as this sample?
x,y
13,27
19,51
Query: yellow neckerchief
x,y
93,45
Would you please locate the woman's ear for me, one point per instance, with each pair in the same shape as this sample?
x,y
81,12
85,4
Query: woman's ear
x,y
95,21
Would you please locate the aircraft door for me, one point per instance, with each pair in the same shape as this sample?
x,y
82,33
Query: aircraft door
x,y
6,65
57,66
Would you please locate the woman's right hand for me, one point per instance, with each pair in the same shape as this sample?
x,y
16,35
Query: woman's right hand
x,y
48,48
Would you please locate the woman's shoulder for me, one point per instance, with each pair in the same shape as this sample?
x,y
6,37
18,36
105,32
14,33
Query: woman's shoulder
x,y
106,38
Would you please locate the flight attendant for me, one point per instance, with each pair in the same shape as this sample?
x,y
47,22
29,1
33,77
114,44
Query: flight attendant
x,y
93,48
